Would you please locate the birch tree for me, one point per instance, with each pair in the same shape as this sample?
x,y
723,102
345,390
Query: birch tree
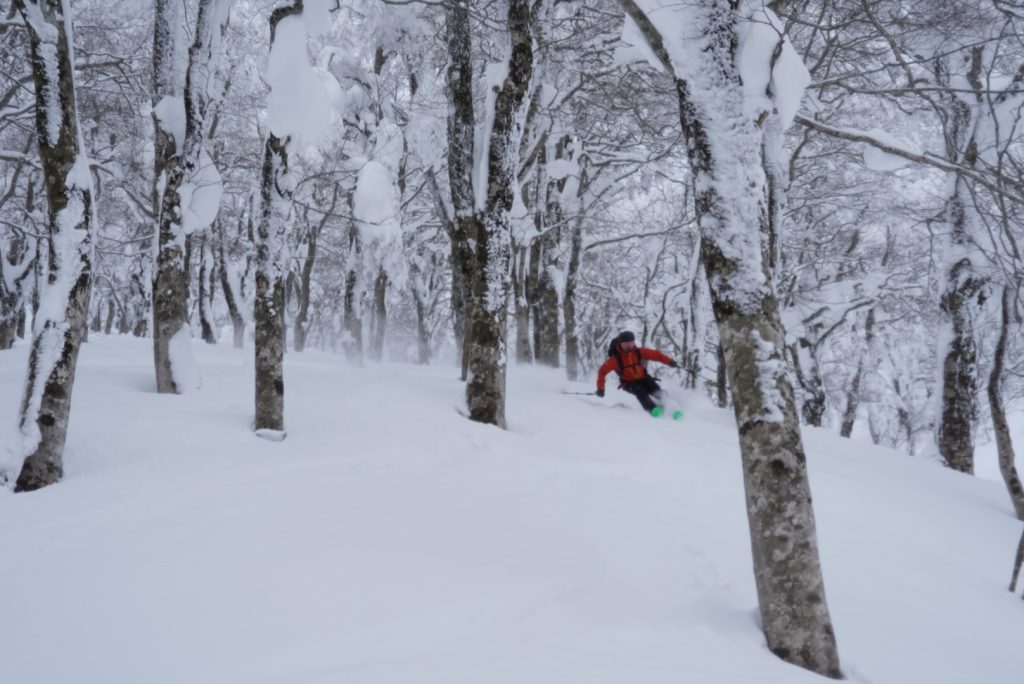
x,y
61,320
722,115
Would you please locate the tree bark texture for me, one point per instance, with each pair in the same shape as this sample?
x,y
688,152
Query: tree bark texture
x,y
965,291
380,315
306,278
353,300
488,322
853,393
520,280
61,320
171,280
206,282
1018,561
722,141
268,303
545,304
1004,444
231,295
572,275
461,128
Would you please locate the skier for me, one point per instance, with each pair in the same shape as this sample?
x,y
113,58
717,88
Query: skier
x,y
626,359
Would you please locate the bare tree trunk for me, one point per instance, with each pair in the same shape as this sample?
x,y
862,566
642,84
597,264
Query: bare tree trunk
x,y
60,325
353,300
380,315
422,329
485,391
790,587
721,379
1004,444
572,342
306,281
520,281
853,394
1017,562
206,268
111,313
231,297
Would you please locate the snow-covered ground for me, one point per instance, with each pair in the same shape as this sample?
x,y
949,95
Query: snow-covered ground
x,y
388,539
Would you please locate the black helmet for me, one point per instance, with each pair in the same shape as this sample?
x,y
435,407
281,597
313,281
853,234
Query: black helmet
x,y
627,336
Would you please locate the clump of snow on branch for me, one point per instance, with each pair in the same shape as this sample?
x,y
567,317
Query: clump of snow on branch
x,y
201,195
760,35
170,112
879,160
375,203
299,105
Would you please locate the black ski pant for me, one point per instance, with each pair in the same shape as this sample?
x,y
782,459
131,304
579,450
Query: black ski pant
x,y
646,390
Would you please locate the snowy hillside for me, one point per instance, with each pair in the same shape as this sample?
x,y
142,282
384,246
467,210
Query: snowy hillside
x,y
388,539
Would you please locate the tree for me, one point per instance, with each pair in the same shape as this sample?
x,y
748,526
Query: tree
x,y
291,80
60,325
725,147
191,194
489,283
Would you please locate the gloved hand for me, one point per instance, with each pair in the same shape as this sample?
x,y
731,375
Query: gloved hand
x,y
600,393
673,364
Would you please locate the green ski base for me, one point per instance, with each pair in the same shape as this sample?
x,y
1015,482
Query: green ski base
x,y
658,410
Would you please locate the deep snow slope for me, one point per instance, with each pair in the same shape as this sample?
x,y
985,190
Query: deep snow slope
x,y
388,539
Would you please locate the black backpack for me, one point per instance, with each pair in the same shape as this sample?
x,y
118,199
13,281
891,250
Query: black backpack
x,y
613,351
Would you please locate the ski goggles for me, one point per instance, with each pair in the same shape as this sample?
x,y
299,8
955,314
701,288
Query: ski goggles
x,y
628,346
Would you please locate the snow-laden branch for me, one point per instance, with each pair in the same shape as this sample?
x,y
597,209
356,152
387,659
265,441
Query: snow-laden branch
x,y
926,158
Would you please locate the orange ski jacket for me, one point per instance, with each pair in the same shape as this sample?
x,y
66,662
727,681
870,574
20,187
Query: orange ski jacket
x,y
632,364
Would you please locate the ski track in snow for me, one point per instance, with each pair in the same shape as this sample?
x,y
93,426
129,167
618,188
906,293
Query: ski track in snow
x,y
388,539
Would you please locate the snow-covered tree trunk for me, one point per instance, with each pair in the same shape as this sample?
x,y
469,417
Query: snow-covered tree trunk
x,y
725,148
271,265
546,304
966,286
15,265
296,106
166,89
61,320
461,126
169,287
305,283
180,212
1004,443
488,320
